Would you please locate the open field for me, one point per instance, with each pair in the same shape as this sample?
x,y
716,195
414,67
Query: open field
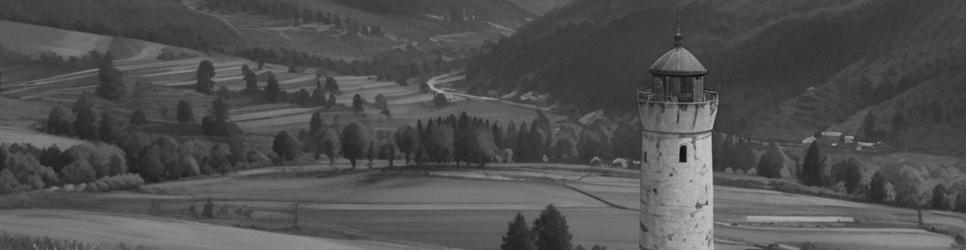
x,y
22,135
460,210
33,40
162,233
378,189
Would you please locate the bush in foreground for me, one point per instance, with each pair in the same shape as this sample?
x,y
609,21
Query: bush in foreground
x,y
21,242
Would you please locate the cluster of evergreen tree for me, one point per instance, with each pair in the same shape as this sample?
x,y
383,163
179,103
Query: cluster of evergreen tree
x,y
283,10
733,152
549,232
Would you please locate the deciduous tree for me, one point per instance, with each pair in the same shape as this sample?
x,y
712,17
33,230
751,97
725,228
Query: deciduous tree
x,y
355,142
939,199
331,85
203,76
185,112
273,89
111,86
357,104
331,145
286,147
771,162
877,188
138,118
407,140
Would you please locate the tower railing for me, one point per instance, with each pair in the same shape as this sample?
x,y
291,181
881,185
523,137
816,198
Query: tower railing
x,y
647,96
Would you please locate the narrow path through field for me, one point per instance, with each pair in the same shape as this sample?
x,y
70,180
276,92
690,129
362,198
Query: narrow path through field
x,y
223,20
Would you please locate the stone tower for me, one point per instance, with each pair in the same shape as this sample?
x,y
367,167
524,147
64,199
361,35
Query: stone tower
x,y
677,116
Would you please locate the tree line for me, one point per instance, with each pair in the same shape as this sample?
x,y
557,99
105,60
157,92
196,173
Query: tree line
x,y
102,167
157,158
892,184
461,140
387,67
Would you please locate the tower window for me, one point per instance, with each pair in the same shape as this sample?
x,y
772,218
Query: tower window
x,y
683,155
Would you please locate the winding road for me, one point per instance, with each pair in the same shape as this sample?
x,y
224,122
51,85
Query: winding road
x,y
452,77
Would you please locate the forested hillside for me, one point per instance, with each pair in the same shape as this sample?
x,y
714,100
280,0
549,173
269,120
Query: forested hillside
x,y
541,6
761,56
163,21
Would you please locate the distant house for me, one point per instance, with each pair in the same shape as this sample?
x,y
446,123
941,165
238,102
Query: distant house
x,y
808,140
849,139
831,134
591,118
619,163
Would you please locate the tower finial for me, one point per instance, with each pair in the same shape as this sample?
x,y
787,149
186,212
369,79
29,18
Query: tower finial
x,y
677,36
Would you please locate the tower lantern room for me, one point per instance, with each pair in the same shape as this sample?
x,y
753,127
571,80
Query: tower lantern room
x,y
678,76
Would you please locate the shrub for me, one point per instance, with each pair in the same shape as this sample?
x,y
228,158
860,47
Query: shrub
x,y
10,241
119,182
753,171
809,246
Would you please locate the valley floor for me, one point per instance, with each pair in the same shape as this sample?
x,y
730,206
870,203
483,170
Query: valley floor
x,y
468,209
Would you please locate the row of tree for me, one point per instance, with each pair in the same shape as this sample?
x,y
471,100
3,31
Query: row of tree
x,y
24,167
157,158
463,139
892,184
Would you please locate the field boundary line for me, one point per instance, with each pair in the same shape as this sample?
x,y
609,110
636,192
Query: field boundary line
x,y
608,203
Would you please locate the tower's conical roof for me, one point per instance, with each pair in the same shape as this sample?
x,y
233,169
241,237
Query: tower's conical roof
x,y
678,62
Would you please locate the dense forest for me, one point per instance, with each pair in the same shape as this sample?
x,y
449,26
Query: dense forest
x,y
757,68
